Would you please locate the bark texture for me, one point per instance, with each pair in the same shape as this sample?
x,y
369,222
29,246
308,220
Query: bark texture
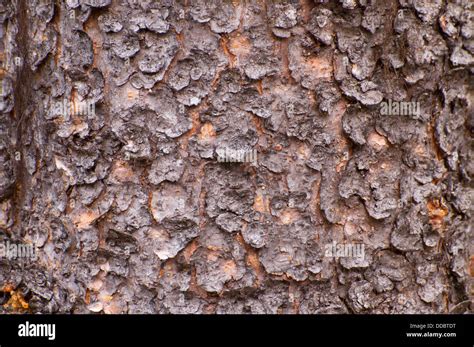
x,y
132,212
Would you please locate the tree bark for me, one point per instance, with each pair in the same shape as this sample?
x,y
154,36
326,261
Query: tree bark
x,y
237,156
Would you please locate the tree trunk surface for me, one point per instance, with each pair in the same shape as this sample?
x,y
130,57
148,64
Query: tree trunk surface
x,y
237,156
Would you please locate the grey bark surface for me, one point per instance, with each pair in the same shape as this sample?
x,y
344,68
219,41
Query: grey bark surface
x,y
131,210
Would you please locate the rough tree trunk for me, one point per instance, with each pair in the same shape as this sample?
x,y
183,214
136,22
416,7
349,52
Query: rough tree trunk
x,y
131,207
